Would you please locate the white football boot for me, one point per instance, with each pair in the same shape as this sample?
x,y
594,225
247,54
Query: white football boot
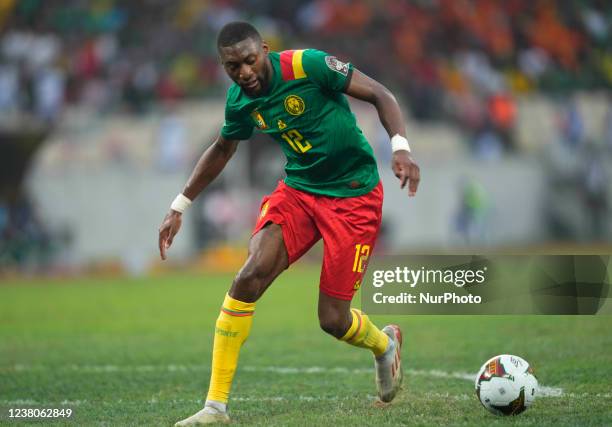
x,y
208,415
389,372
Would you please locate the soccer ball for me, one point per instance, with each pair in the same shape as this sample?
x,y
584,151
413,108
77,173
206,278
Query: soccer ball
x,y
506,385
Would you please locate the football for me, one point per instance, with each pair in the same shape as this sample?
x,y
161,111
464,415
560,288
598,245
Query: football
x,y
506,385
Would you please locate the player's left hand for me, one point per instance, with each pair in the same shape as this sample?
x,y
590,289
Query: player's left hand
x,y
405,168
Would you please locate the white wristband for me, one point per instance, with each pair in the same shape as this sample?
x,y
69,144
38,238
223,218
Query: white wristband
x,y
180,203
398,142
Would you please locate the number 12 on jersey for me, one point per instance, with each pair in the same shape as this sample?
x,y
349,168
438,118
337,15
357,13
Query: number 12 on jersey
x,y
296,140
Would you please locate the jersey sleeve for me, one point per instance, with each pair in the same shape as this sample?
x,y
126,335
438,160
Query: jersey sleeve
x,y
325,70
237,125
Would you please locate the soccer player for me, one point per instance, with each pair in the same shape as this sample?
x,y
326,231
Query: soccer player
x,y
332,191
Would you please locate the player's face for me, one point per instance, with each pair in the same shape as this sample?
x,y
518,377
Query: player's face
x,y
247,64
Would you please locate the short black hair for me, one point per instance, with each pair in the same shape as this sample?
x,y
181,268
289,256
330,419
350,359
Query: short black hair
x,y
235,32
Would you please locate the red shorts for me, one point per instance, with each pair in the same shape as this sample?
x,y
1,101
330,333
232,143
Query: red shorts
x,y
348,225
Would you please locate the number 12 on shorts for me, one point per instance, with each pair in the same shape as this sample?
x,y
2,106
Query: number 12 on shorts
x,y
362,252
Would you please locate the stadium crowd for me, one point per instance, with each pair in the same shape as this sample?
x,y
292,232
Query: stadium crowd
x,y
455,59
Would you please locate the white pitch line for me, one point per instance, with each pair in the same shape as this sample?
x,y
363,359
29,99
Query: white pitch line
x,y
544,391
303,398
155,401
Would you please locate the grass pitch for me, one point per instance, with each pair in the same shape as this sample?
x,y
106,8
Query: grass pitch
x,y
137,352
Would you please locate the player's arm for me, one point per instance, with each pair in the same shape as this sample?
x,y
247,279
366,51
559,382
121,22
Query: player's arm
x,y
210,164
367,89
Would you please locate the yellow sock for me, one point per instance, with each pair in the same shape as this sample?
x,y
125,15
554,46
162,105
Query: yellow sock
x,y
231,331
363,333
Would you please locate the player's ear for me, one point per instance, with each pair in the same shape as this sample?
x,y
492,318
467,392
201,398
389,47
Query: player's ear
x,y
265,47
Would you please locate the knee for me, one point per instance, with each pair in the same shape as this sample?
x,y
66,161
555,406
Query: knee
x,y
335,324
249,283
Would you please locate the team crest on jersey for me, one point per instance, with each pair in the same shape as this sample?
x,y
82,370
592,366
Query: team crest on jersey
x,y
294,105
259,120
336,65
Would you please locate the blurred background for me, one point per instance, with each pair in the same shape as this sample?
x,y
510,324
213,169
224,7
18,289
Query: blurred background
x,y
106,105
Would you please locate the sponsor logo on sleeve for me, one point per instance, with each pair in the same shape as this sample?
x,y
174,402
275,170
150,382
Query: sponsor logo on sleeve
x,y
336,65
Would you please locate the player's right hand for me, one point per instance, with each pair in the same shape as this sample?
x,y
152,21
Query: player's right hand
x,y
167,230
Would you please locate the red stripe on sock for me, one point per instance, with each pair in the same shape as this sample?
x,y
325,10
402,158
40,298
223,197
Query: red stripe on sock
x,y
237,313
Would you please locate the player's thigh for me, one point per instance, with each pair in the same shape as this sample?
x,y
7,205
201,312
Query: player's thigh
x,y
267,258
349,228
292,210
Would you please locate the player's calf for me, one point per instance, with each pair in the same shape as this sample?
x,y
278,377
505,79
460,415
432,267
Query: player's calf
x,y
335,323
337,318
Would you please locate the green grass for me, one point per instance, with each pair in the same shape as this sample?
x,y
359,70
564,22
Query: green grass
x,y
137,352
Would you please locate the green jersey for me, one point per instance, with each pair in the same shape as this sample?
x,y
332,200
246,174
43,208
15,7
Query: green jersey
x,y
305,110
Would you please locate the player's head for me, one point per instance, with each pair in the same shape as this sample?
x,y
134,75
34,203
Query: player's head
x,y
244,56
